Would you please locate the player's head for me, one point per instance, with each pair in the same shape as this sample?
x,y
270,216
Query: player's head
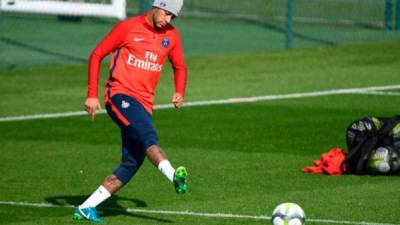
x,y
164,11
172,6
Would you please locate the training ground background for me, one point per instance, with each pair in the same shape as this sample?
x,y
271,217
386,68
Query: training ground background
x,y
243,159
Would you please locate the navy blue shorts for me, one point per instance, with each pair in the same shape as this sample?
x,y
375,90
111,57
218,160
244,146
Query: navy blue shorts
x,y
137,133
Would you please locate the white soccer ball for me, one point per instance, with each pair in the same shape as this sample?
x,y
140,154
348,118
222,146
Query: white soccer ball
x,y
288,214
379,160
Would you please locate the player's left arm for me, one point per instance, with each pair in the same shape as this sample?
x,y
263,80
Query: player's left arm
x,y
180,72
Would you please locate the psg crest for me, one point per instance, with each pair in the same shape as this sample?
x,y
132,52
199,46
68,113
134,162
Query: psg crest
x,y
165,42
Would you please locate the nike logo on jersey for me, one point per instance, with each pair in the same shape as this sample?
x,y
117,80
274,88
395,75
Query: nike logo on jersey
x,y
138,39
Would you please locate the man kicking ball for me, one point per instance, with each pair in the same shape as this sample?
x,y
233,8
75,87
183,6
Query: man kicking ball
x,y
139,47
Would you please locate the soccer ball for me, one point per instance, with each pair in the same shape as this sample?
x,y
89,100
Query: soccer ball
x,y
379,161
384,160
288,214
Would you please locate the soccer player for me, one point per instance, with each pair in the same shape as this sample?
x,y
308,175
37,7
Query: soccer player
x,y
139,47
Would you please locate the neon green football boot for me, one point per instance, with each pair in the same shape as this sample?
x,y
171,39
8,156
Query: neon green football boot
x,y
180,178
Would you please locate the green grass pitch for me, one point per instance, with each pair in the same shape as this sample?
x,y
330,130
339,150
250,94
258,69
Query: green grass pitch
x,y
243,159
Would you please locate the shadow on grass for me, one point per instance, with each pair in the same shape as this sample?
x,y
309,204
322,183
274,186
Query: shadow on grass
x,y
109,208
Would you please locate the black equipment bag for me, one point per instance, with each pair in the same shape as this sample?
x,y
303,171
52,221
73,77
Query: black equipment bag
x,y
367,134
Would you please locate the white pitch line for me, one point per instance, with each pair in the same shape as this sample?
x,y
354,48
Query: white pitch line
x,y
365,90
386,93
189,213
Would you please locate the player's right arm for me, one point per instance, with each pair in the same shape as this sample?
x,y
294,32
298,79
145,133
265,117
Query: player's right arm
x,y
91,105
110,43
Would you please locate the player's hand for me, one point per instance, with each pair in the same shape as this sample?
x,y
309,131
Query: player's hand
x,y
177,100
91,105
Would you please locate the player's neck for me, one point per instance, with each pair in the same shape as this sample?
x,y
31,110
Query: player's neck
x,y
149,20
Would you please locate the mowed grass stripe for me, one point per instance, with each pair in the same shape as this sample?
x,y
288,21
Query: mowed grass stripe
x,y
189,213
366,90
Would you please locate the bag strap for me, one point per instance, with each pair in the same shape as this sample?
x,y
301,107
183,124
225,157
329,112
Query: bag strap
x,y
366,150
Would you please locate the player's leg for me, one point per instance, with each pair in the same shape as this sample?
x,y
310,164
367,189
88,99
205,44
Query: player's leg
x,y
133,155
141,129
131,116
159,159
130,163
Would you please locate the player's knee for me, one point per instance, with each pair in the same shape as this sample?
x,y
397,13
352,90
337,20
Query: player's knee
x,y
127,170
125,174
148,139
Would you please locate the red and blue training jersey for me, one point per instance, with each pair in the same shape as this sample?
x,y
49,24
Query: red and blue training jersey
x,y
138,55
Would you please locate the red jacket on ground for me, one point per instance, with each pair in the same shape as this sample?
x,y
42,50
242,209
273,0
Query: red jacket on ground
x,y
329,164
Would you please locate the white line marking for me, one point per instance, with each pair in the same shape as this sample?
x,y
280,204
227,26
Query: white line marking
x,y
386,93
366,90
189,213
